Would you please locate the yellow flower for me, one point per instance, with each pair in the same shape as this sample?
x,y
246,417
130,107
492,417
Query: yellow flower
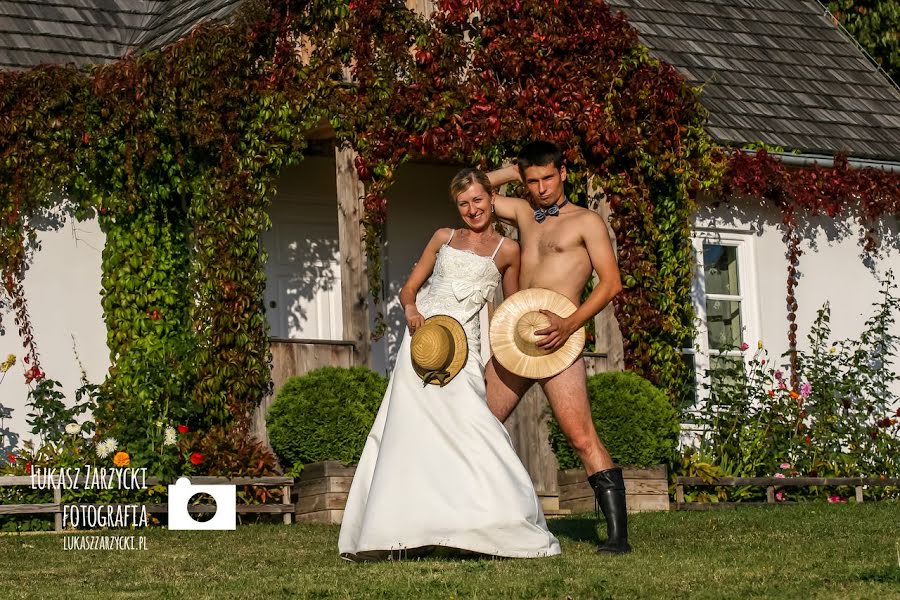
x,y
8,363
759,345
121,459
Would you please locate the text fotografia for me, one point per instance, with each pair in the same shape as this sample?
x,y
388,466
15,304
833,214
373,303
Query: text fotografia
x,y
89,478
92,516
104,542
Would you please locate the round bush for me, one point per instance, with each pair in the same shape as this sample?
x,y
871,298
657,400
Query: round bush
x,y
634,419
324,415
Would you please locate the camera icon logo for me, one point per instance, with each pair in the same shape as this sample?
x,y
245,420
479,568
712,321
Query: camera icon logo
x,y
181,493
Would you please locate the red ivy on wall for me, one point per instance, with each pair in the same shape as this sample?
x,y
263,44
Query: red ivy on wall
x,y
802,192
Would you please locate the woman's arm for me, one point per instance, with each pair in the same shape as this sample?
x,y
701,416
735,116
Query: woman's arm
x,y
420,274
510,281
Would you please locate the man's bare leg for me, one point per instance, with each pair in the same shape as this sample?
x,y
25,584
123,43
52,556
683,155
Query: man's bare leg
x,y
567,393
504,389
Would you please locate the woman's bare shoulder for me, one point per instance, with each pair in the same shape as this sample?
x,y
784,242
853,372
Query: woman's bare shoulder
x,y
442,235
509,248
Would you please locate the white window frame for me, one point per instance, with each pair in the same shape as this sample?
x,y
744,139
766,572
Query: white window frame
x,y
744,241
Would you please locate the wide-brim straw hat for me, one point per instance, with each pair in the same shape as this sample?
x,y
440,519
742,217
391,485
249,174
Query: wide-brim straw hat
x,y
439,350
514,342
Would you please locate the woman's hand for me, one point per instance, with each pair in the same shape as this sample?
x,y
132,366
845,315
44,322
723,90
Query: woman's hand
x,y
414,318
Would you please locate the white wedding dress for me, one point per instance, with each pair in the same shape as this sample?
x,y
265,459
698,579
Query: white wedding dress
x,y
438,469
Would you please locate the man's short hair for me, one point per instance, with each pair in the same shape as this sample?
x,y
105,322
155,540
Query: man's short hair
x,y
539,153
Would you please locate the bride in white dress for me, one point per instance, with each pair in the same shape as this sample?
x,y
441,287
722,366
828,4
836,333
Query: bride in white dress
x,y
438,469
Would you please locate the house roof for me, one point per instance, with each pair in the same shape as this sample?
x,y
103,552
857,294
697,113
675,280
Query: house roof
x,y
777,71
95,31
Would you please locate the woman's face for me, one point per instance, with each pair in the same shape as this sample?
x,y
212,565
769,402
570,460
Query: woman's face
x,y
474,207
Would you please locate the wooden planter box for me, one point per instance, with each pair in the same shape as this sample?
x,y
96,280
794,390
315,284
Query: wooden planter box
x,y
320,493
646,490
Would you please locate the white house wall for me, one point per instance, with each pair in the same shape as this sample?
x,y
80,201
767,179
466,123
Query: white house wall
x,y
62,289
833,268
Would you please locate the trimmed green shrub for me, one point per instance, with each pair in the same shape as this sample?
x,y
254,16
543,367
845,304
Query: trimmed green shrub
x,y
634,419
324,415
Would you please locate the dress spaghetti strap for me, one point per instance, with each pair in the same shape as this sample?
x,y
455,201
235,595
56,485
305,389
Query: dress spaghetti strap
x,y
497,249
452,231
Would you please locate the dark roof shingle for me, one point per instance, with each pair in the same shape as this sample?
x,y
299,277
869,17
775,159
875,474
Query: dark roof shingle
x,y
33,32
776,71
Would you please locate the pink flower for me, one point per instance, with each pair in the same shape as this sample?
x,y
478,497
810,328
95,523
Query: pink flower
x,y
778,374
805,389
744,346
835,499
779,475
785,465
779,495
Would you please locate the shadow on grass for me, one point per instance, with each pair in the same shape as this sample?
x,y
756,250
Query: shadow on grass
x,y
886,575
579,529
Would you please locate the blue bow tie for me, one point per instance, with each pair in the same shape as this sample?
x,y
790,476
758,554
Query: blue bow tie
x,y
540,214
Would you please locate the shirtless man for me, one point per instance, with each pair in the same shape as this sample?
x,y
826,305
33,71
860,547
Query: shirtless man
x,y
560,251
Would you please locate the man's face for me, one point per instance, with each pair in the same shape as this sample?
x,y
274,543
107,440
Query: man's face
x,y
545,184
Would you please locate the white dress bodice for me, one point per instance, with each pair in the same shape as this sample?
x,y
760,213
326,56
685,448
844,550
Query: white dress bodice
x,y
461,284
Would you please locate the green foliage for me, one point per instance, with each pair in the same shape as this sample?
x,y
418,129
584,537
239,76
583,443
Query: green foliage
x,y
324,415
634,419
50,415
842,421
875,25
146,303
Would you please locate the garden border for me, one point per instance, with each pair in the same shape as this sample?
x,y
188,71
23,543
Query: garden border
x,y
770,483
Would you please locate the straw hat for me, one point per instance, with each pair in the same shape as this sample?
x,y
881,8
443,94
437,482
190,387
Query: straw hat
x,y
439,350
514,342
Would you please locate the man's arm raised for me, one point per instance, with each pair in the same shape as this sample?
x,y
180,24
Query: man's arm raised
x,y
505,207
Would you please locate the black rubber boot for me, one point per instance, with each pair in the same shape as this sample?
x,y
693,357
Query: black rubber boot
x,y
609,492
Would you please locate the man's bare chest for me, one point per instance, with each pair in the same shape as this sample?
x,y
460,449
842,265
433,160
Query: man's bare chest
x,y
547,242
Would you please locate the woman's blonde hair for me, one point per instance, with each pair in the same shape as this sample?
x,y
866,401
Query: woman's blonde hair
x,y
466,179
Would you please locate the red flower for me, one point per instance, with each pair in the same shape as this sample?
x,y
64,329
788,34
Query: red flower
x,y
196,458
28,468
183,429
85,138
807,439
11,458
771,393
898,412
32,374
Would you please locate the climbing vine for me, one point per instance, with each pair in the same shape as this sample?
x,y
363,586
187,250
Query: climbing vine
x,y
176,152
867,194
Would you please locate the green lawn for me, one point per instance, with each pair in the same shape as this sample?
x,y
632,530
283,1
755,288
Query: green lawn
x,y
804,551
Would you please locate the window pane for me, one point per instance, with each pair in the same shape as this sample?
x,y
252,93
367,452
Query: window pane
x,y
723,321
689,383
720,269
726,373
